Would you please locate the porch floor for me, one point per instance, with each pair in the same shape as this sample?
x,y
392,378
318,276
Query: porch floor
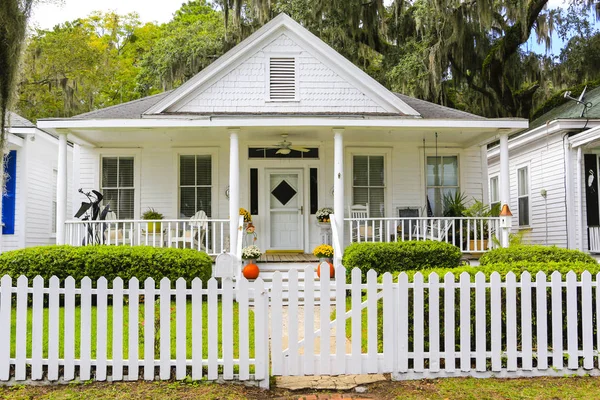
x,y
286,258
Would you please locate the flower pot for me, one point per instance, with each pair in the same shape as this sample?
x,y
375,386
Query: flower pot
x,y
154,227
472,245
251,270
331,269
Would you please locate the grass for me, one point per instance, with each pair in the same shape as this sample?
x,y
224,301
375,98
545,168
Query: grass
x,y
140,320
434,389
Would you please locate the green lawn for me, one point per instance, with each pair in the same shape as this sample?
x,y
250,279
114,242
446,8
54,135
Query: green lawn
x,y
434,389
140,328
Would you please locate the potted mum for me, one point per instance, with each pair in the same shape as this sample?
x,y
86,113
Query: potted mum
x,y
246,214
323,214
152,215
251,254
324,253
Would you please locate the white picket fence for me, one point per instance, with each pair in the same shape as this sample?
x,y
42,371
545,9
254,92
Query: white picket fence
x,y
53,357
411,329
436,329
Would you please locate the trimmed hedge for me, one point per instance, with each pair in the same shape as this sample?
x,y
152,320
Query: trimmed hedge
x,y
401,256
109,261
517,268
535,254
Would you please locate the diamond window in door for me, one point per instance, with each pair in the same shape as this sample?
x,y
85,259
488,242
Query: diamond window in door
x,y
284,192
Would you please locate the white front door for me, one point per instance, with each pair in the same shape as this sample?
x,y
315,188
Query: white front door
x,y
285,209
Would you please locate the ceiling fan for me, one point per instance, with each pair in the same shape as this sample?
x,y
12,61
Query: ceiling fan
x,y
285,147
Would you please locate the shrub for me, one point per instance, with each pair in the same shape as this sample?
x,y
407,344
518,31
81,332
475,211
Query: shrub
x,y
401,256
109,261
534,254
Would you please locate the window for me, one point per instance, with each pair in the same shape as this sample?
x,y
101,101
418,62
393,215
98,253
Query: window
x,y
282,78
312,153
54,207
195,185
442,182
494,193
523,195
118,185
368,183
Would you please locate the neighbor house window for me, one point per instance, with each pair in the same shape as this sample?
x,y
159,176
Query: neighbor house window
x,y
118,185
195,185
442,182
368,183
494,193
282,79
54,207
523,195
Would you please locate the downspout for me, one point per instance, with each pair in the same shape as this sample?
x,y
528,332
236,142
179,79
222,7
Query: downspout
x,y
579,201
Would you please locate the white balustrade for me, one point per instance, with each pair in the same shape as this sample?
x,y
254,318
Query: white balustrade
x,y
470,234
210,235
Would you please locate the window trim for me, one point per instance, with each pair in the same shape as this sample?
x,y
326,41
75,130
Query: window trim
x,y
136,173
215,192
497,178
349,154
458,174
268,56
528,174
54,202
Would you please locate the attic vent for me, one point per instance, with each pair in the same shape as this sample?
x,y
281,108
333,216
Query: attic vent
x,y
282,78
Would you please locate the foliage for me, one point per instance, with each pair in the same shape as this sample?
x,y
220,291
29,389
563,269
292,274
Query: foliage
x,y
246,214
152,214
251,252
323,251
400,256
108,261
83,65
455,204
536,253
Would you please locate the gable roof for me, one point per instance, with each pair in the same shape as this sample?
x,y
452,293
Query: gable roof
x,y
16,121
327,55
571,110
135,109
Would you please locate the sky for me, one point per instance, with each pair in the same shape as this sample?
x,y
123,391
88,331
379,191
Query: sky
x,y
48,14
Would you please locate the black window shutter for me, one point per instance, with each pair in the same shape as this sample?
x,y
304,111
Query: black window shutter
x,y
254,191
314,191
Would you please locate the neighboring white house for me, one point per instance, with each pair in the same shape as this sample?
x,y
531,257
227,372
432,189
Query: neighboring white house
x,y
215,144
31,171
554,176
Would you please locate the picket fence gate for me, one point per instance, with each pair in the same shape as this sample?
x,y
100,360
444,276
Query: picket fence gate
x,y
411,329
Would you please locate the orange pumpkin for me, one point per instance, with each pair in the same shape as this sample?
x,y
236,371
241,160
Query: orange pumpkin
x,y
331,270
251,271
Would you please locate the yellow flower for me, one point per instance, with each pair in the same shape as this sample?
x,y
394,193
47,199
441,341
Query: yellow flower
x,y
246,214
323,251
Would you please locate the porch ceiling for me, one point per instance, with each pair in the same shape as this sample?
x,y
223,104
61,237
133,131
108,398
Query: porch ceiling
x,y
177,136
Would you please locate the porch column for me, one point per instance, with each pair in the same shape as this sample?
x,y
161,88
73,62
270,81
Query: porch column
x,y
578,194
234,189
338,182
504,181
61,189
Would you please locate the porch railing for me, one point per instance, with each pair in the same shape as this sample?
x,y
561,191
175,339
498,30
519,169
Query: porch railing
x,y
210,235
470,234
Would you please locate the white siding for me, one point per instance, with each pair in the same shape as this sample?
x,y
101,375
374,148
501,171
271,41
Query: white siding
x,y
243,89
548,216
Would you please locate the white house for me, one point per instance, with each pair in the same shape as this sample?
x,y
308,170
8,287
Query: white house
x,y
229,138
554,176
31,171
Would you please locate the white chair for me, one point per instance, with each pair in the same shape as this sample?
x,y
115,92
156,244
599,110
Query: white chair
x,y
361,228
193,233
113,234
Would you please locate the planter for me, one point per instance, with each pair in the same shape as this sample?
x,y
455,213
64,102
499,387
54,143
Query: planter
x,y
251,270
331,268
154,227
472,245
